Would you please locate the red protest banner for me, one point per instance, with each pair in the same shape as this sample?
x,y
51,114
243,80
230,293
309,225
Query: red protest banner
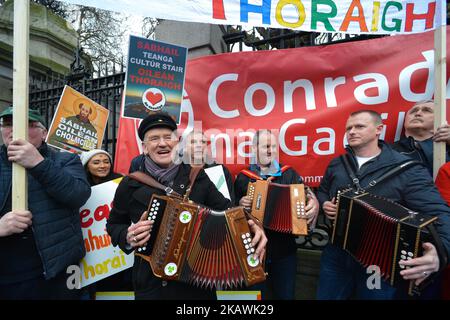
x,y
304,94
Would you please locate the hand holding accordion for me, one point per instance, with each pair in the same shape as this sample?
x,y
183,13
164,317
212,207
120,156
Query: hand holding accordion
x,y
199,246
279,207
377,231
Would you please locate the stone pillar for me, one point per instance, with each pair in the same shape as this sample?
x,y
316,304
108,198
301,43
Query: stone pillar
x,y
201,39
52,44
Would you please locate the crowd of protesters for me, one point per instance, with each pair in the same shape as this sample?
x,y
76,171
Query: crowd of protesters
x,y
37,245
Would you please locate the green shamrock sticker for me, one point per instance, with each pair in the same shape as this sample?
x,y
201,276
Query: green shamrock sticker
x,y
185,217
170,269
252,261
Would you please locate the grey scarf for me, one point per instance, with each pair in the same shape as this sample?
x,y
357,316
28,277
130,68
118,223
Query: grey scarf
x,y
163,175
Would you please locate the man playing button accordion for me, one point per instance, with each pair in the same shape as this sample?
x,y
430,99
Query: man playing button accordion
x,y
281,263
368,160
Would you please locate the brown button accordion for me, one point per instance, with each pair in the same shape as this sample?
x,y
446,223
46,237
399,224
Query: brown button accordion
x,y
379,232
205,248
280,207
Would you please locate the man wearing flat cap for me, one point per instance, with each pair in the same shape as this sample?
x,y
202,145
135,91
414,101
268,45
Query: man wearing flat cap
x,y
37,245
127,224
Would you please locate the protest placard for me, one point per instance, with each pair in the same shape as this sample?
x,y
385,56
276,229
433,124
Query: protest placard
x,y
78,124
102,258
155,78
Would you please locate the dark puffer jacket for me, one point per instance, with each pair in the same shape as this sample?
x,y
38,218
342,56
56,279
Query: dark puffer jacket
x,y
418,150
413,188
57,188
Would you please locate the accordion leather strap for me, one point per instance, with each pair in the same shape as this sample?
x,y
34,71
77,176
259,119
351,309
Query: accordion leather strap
x,y
249,216
391,173
253,175
351,173
192,177
148,180
146,258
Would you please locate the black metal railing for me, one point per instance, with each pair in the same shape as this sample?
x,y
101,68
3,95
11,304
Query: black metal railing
x,y
106,89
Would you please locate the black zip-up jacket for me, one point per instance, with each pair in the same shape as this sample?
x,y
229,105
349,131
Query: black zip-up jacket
x,y
418,150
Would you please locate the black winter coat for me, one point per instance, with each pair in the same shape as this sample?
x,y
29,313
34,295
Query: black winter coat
x,y
57,188
418,150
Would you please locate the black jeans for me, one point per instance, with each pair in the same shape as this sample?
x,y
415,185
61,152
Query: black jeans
x,y
40,289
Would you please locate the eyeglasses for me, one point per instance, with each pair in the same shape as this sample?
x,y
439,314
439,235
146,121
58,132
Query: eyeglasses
x,y
31,125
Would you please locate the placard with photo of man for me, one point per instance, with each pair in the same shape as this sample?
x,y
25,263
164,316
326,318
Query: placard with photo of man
x,y
78,124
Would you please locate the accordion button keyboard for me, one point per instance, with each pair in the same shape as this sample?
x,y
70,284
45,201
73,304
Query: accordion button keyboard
x,y
247,241
403,266
153,210
300,209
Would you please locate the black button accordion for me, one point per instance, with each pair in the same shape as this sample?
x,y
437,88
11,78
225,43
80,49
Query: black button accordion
x,y
380,232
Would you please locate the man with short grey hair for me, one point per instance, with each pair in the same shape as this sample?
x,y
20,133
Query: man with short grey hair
x,y
420,135
38,244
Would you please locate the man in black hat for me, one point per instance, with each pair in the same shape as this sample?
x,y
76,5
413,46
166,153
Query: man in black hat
x,y
37,245
127,224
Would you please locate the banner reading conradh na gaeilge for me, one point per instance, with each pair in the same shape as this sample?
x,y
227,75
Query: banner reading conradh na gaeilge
x,y
345,16
305,95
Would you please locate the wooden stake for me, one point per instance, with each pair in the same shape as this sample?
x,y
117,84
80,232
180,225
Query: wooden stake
x,y
440,82
20,97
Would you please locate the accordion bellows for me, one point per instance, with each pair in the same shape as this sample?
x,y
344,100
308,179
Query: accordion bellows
x,y
280,207
201,247
379,232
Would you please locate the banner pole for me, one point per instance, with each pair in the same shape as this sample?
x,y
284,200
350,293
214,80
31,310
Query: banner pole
x,y
20,97
439,148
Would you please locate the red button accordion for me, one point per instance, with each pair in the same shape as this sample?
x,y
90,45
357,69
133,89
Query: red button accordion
x,y
280,207
199,246
379,232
